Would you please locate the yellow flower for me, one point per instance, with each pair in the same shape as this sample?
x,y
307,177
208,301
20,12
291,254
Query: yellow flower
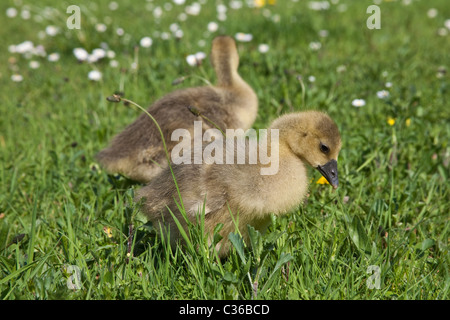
x,y
322,180
391,121
408,122
260,3
108,231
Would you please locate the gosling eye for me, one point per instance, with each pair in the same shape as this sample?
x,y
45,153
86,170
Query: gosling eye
x,y
324,148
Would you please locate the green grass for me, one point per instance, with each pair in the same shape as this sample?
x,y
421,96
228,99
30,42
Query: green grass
x,y
391,210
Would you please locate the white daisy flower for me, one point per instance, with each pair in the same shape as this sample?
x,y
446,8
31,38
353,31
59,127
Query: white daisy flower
x,y
191,60
120,32
98,53
24,47
213,26
442,32
221,8
110,54
315,45
235,4
81,54
11,12
319,5
95,75
100,27
447,24
341,68
222,16
179,34
358,103
243,37
263,48
432,13
193,9
157,12
53,57
174,27
200,55
34,64
323,33
146,42
113,6
51,30
382,94
16,77
25,14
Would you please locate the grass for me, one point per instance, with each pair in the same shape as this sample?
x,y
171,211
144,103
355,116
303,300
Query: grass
x,y
59,210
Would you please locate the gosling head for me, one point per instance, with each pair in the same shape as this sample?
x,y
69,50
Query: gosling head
x,y
313,137
224,52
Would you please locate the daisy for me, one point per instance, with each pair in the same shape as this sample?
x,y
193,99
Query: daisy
x,y
113,6
315,45
447,24
200,55
323,33
51,31
23,47
213,26
11,12
34,64
157,12
358,103
243,37
382,94
432,13
195,59
120,32
263,48
53,57
25,14
110,54
98,53
191,60
100,27
81,54
146,42
235,4
16,78
95,75
174,27
179,34
193,9
319,5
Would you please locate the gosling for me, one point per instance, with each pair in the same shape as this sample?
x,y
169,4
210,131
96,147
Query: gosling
x,y
305,139
138,153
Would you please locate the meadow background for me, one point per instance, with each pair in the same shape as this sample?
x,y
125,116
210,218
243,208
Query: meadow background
x,y
387,89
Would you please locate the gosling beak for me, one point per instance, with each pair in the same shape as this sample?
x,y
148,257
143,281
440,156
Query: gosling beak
x,y
330,172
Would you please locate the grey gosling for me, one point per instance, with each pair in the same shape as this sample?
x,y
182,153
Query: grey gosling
x,y
137,152
305,138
